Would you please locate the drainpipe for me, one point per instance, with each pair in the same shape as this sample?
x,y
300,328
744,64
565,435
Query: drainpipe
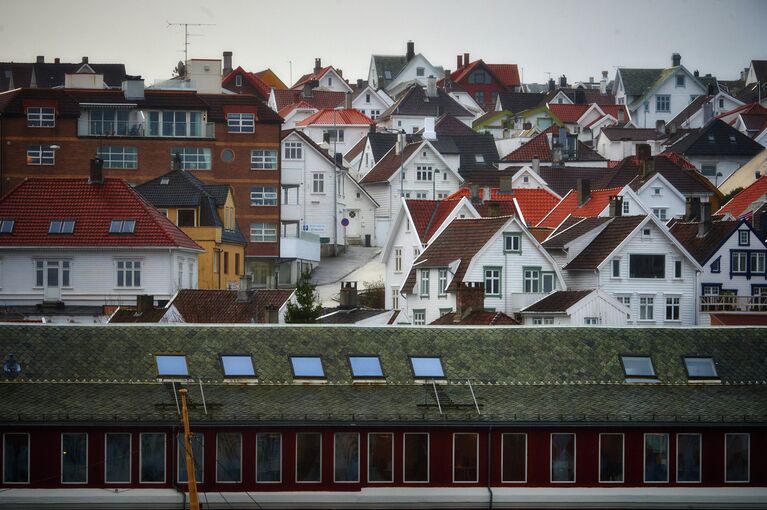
x,y
173,467
490,467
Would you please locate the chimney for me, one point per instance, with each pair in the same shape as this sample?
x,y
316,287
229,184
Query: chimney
x,y
458,62
57,60
227,63
505,184
97,171
580,96
431,86
648,168
176,163
307,89
621,116
360,83
448,80
696,73
616,206
348,101
401,141
466,60
563,81
339,159
410,51
486,194
340,72
536,165
582,191
676,59
40,59
372,128
144,303
469,297
552,85
712,91
85,60
705,219
691,208
429,132
643,151
474,191
493,209
317,65
243,292
556,155
603,83
708,112
133,88
660,127
348,299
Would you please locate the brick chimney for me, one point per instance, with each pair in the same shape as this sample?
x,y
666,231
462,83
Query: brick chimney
x,y
466,59
97,171
349,298
410,51
691,208
493,209
469,297
505,186
317,65
643,151
563,81
144,303
582,191
40,59
227,63
458,62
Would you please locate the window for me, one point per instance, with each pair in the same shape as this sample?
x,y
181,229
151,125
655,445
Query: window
x,y
268,457
672,308
721,102
263,232
688,455
647,266
739,262
226,264
709,170
192,158
197,441
6,226
424,285
625,300
512,243
122,226
549,282
307,366
266,160
662,103
442,282
61,227
238,80
263,195
492,281
531,279
117,458
380,457
47,273
716,266
346,458
423,173
744,238
240,123
110,122
563,457
700,368
398,260
15,458
227,155
366,367
421,195
626,208
638,366
680,80
74,458
171,365
40,155
592,321
646,233
237,365
41,117
677,269
419,317
616,267
416,457
308,457
514,458
236,263
175,124
466,458
318,183
228,457
334,135
129,273
395,298
611,458
660,213
367,98
656,458
479,97
427,367
419,71
757,262
374,114
119,157
152,458
736,457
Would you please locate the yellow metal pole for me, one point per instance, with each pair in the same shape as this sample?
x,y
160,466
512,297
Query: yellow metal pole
x,y
194,503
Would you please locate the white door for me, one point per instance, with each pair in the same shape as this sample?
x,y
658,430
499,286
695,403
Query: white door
x,y
353,230
53,281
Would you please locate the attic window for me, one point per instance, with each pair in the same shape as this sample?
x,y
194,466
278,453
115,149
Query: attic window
x,y
164,181
427,367
173,365
366,367
387,74
6,226
307,367
238,365
638,367
711,138
700,368
479,158
122,226
732,139
61,227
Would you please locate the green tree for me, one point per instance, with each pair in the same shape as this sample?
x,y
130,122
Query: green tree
x,y
729,196
308,308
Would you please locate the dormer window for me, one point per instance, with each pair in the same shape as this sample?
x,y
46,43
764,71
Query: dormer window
x,y
41,117
61,227
744,238
6,226
122,226
732,139
238,80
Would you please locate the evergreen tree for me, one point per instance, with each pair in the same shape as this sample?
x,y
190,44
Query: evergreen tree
x,y
308,308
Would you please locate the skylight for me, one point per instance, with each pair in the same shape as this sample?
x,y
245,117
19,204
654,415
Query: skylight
x,y
61,227
711,138
366,366
307,366
479,158
238,365
427,366
700,368
638,366
122,226
171,365
164,180
732,138
6,226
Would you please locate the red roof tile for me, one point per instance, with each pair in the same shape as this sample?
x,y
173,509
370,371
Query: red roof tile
x,y
319,98
428,215
329,117
221,306
568,113
294,106
309,77
37,201
600,198
476,318
534,203
536,146
613,109
738,205
508,74
257,83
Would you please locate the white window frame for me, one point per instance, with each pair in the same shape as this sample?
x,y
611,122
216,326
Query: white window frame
x,y
660,213
626,207
359,444
476,439
40,155
293,151
503,438
395,298
193,158
647,306
240,122
118,157
264,230
419,322
644,458
281,453
700,457
663,103
41,116
29,455
424,173
741,266
263,159
757,262
442,282
424,282
397,259
675,303
130,457
260,196
551,458
391,434
623,458
238,80
318,183
428,456
615,264
132,270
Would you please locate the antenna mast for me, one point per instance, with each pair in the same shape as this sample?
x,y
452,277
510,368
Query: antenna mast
x,y
186,35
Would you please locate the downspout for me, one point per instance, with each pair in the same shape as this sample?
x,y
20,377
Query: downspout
x,y
173,467
489,467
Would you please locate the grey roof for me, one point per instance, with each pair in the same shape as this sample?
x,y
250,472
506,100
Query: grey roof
x,y
544,375
391,63
516,102
50,74
414,101
353,316
717,138
557,302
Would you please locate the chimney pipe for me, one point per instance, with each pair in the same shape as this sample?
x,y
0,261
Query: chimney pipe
x,y
676,59
563,81
85,60
431,86
458,61
97,172
469,296
348,101
705,219
583,191
466,60
40,59
505,183
57,60
227,63
603,83
552,85
306,91
621,116
691,208
474,191
317,65
410,51
243,292
536,165
643,151
616,206
360,83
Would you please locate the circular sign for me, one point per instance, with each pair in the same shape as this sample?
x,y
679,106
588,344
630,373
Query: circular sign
x,y
345,222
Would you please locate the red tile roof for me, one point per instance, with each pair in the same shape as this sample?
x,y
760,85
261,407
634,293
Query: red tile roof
x,y
311,76
257,83
319,98
221,306
568,113
37,201
329,117
294,106
476,318
534,203
600,198
428,215
613,109
389,164
508,74
738,205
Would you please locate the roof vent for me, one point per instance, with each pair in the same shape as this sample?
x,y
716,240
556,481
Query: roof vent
x,y
11,367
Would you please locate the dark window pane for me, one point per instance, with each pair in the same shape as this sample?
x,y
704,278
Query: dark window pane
x,y
228,457
416,457
74,458
688,458
308,461
656,458
185,217
647,266
562,457
736,457
347,457
465,458
514,457
380,458
197,441
268,457
15,458
152,458
118,458
611,458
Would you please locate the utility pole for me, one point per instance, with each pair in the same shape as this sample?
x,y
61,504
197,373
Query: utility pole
x,y
186,36
194,502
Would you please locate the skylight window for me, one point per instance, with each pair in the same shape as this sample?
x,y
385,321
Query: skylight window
x,y
700,368
171,365
307,366
732,138
366,366
427,367
6,226
638,367
238,365
122,226
479,158
60,227
164,181
711,138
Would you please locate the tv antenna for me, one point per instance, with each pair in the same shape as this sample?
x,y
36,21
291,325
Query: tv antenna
x,y
187,34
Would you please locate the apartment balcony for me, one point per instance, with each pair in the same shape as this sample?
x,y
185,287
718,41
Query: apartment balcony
x,y
142,129
290,212
726,303
305,246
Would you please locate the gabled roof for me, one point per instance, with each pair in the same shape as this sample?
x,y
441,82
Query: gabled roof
x,y
605,243
568,206
636,82
34,203
568,113
318,99
257,83
760,70
703,248
692,108
557,302
448,125
387,166
616,134
516,102
475,318
540,146
357,149
50,74
563,179
490,176
413,101
680,173
507,75
739,204
428,215
568,231
221,306
330,117
270,78
716,138
314,75
532,203
391,63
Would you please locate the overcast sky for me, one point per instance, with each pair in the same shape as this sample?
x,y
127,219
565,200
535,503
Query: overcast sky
x,y
578,38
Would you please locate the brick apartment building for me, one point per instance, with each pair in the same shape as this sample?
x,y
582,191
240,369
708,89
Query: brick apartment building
x,y
222,138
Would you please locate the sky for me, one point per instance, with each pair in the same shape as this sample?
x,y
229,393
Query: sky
x,y
577,38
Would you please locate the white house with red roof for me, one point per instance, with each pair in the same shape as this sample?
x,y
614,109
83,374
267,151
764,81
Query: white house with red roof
x,y
341,129
323,78
81,242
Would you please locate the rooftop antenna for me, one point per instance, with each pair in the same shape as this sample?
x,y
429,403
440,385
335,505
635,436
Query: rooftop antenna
x,y
290,62
186,36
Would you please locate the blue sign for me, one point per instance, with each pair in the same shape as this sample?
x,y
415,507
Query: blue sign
x,y
345,222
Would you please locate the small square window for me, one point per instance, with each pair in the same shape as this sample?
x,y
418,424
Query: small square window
x,y
238,365
512,243
366,366
171,365
427,367
744,238
6,226
638,366
700,368
307,366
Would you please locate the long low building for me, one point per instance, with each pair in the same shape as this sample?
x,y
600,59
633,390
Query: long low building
x,y
355,417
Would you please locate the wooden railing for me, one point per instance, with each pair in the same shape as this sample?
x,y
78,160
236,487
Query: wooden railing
x,y
725,303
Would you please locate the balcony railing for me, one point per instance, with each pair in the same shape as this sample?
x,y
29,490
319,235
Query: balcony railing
x,y
140,129
725,303
305,246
